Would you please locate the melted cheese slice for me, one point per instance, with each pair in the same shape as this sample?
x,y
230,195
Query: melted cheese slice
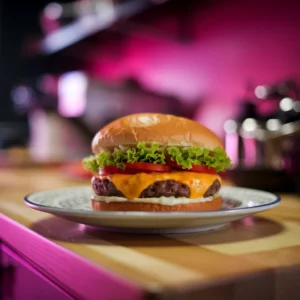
x,y
133,185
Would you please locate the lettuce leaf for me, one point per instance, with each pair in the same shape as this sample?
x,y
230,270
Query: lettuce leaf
x,y
90,164
217,158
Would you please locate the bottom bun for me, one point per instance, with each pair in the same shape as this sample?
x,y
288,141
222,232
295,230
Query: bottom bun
x,y
214,204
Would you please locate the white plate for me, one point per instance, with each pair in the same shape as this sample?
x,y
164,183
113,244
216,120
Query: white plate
x,y
74,204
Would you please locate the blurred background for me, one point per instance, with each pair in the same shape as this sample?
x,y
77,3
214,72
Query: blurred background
x,y
70,67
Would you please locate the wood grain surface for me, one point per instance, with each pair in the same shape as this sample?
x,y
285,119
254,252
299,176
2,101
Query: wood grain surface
x,y
258,256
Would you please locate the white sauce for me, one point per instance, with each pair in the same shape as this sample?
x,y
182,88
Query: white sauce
x,y
161,200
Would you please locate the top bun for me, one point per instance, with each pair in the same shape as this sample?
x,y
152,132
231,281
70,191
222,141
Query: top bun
x,y
152,127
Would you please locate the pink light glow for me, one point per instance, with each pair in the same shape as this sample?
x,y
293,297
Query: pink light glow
x,y
213,114
234,42
231,146
72,89
250,151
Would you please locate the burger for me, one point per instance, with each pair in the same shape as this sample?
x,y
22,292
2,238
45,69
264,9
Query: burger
x,y
156,163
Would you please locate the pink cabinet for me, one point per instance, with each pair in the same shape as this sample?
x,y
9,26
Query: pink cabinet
x,y
20,281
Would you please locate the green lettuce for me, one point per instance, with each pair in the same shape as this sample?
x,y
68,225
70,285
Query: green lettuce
x,y
154,154
90,163
216,159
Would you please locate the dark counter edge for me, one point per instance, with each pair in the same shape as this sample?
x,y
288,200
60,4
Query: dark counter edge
x,y
72,273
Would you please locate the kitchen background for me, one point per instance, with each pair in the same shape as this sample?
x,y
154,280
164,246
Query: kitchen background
x,y
69,68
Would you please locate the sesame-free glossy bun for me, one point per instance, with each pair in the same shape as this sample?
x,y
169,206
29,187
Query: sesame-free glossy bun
x,y
151,127
214,204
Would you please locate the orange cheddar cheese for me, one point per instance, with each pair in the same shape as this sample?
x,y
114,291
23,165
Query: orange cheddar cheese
x,y
133,185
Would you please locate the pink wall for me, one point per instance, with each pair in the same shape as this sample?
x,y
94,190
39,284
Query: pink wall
x,y
234,42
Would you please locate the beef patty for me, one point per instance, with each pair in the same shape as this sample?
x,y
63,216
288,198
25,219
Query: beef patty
x,y
214,188
166,188
104,187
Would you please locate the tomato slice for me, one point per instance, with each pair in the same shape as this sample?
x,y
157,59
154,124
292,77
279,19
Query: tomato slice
x,y
134,168
148,167
195,168
202,169
115,170
173,164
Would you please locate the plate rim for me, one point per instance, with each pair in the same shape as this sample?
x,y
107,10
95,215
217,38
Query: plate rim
x,y
206,213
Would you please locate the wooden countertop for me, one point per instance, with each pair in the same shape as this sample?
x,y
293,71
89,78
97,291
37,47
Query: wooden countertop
x,y
258,257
